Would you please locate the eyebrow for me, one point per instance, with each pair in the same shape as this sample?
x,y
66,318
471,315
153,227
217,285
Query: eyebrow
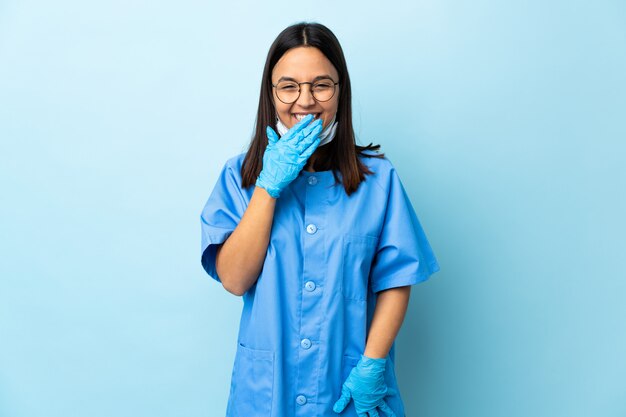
x,y
319,77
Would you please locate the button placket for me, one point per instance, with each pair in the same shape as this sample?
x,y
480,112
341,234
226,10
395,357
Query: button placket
x,y
314,251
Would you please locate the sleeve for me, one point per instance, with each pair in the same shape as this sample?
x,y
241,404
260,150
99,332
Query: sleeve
x,y
403,255
221,215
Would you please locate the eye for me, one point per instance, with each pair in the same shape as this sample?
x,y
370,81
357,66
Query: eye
x,y
288,87
322,85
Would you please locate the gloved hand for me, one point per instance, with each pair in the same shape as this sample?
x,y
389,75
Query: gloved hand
x,y
366,386
284,159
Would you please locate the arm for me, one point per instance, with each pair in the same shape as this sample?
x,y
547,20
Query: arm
x,y
389,313
240,258
366,383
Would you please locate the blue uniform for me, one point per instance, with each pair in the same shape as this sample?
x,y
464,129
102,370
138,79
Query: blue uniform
x,y
305,321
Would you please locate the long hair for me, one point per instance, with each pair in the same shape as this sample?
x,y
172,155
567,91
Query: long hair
x,y
338,155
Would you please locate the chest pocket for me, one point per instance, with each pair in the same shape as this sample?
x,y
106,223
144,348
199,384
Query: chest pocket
x,y
357,255
252,383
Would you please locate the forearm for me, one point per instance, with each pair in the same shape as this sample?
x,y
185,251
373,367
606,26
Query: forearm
x,y
389,313
240,259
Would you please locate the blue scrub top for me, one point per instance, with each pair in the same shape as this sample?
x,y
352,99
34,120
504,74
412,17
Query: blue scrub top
x,y
305,321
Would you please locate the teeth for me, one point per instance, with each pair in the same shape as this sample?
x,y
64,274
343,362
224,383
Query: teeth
x,y
302,116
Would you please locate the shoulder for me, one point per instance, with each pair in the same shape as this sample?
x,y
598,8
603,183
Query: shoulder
x,y
382,168
232,167
373,160
235,162
230,172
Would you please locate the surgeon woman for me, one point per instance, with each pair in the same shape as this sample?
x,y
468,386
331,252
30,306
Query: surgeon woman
x,y
318,236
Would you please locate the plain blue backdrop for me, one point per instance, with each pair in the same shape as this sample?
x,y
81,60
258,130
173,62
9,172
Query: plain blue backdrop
x,y
504,119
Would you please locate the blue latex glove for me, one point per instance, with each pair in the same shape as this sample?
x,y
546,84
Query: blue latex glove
x,y
366,386
284,159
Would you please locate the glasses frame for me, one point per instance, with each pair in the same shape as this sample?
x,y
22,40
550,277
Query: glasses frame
x,y
310,83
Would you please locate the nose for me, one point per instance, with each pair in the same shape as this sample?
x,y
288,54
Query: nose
x,y
306,96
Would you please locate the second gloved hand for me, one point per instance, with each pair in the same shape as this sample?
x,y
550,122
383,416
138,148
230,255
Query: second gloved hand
x,y
367,388
285,157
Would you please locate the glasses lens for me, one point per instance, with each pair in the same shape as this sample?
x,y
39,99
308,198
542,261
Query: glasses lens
x,y
287,91
323,90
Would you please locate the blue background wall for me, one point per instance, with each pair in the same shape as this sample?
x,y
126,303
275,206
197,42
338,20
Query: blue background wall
x,y
505,120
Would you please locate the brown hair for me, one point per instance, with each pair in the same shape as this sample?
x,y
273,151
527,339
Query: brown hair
x,y
338,155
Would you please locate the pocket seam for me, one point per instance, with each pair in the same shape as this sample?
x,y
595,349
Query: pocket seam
x,y
253,356
367,240
259,354
351,237
349,362
352,360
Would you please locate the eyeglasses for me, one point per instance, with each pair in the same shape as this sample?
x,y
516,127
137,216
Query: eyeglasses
x,y
289,91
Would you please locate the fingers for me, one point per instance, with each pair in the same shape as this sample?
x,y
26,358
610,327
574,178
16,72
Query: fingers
x,y
318,124
343,401
306,154
306,131
386,409
373,413
308,136
309,145
305,120
298,127
305,142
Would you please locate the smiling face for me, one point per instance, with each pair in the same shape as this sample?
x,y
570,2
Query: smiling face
x,y
304,64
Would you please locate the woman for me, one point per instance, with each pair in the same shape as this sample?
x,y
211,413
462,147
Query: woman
x,y
319,237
